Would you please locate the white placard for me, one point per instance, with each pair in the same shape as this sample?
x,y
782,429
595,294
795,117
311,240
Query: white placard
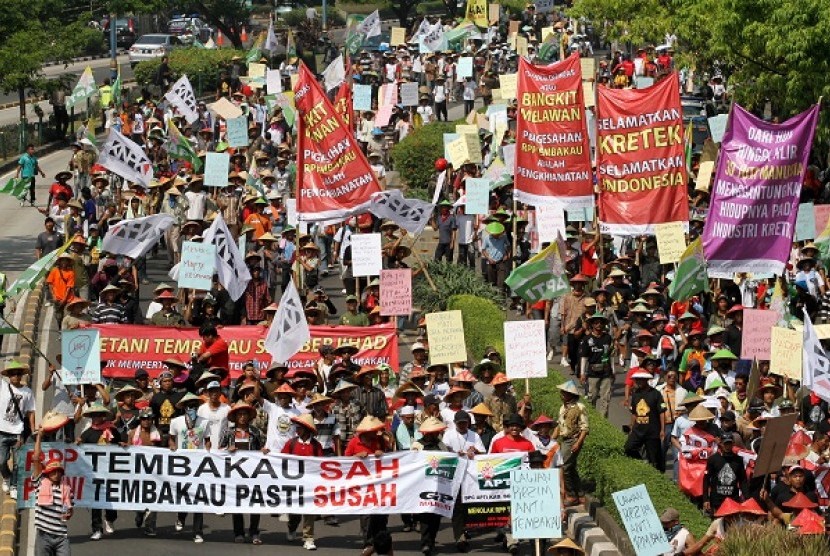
x,y
366,255
550,220
291,212
525,349
273,81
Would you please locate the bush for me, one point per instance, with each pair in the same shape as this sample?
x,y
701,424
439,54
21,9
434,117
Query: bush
x,y
415,156
602,459
483,321
450,279
771,540
201,65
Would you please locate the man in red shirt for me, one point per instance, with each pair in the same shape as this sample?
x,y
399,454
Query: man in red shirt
x,y
214,352
305,445
512,441
588,265
60,186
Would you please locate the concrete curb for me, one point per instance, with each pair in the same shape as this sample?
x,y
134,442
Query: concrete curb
x,y
581,527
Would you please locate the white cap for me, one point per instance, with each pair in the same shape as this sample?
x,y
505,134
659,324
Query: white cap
x,y
407,410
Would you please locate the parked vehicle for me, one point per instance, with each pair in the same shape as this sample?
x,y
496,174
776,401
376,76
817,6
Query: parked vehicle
x,y
149,47
188,28
124,31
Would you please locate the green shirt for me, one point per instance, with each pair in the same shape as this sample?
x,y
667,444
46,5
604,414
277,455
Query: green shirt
x,y
352,319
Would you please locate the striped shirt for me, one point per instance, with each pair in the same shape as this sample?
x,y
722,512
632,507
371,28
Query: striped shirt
x,y
103,313
49,519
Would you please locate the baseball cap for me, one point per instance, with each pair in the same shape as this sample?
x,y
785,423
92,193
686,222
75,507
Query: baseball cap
x,y
141,373
461,415
213,384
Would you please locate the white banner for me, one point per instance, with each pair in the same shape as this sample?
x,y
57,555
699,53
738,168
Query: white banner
x,y
181,96
289,330
487,478
370,27
271,38
410,214
230,263
135,237
157,479
335,73
434,37
124,157
815,366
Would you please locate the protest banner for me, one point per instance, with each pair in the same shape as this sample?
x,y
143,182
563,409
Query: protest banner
x,y
397,36
487,515
535,504
396,292
756,334
80,357
671,241
445,331
507,84
805,222
216,169
126,348
238,132
550,222
334,178
641,521
487,477
344,105
477,195
641,162
553,158
198,263
366,255
362,97
158,479
409,94
273,81
704,175
717,127
756,190
785,352
580,215
777,434
525,349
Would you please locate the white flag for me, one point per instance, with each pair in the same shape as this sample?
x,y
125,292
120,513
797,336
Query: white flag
x,y
816,366
410,214
135,237
370,27
271,38
181,96
83,90
435,37
230,263
124,157
335,73
289,330
423,28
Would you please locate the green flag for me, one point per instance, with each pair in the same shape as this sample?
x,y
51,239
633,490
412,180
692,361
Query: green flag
x,y
31,276
255,53
690,277
354,40
85,88
541,277
16,187
116,89
179,146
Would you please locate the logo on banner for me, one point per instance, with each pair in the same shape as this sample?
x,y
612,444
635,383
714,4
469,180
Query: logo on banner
x,y
443,468
410,214
182,97
496,477
125,158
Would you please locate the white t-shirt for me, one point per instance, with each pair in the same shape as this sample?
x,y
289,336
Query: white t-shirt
x,y
190,439
197,200
343,237
280,426
465,228
217,418
11,422
426,114
458,442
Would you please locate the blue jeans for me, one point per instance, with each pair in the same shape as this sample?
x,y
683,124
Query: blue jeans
x,y
47,544
7,444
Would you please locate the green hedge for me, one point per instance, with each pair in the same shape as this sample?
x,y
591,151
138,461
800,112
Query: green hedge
x,y
415,156
201,65
602,458
450,279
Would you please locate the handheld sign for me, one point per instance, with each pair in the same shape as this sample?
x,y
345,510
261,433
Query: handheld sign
x,y
238,132
671,241
535,506
80,356
445,332
525,349
216,169
197,265
785,352
366,255
756,335
641,521
396,292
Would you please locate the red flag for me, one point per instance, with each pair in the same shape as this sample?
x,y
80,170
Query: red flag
x,y
553,155
343,103
334,178
641,164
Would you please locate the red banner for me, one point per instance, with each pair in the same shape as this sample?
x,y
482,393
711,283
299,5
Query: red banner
x,y
126,347
334,178
343,104
641,163
553,155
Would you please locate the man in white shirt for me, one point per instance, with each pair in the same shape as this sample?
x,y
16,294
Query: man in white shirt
x,y
280,427
18,405
197,199
466,443
215,412
425,110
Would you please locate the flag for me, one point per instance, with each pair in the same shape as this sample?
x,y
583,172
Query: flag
x,y
434,40
16,187
689,143
271,39
543,276
122,156
255,53
423,28
29,278
180,147
816,365
290,46
410,214
477,13
370,27
116,89
354,40
289,330
83,90
135,237
181,96
690,277
210,45
230,263
335,73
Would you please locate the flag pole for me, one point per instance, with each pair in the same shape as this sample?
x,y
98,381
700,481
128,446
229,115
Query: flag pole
x,y
27,339
422,263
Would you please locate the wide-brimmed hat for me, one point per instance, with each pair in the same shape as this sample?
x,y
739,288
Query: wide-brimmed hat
x,y
77,301
110,288
700,413
500,378
457,390
800,502
346,348
206,378
408,387
53,421
188,398
366,370
129,389
241,407
724,355
370,423
642,374
285,389
481,409
96,408
570,387
728,507
54,464
167,294
486,364
173,362
464,376
566,544
16,366
319,399
432,424
305,420
542,420
343,386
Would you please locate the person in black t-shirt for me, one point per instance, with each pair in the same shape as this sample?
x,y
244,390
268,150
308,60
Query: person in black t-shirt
x,y
595,353
725,475
648,422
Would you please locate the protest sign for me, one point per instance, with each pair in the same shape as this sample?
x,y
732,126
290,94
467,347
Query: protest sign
x,y
409,94
588,66
671,241
757,333
197,265
273,81
216,169
465,66
456,151
704,175
521,46
487,515
477,195
225,109
397,36
508,84
821,213
717,127
553,159
80,357
645,182
535,504
509,153
589,95
754,380
785,352
641,82
487,477
641,521
470,129
291,212
755,196
128,347
581,215
805,222
396,292
493,13
525,349
366,255
550,222
237,130
449,138
777,433
362,97
162,480
445,331
256,70
472,147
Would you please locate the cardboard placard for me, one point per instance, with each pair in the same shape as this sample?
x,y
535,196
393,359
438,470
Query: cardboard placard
x,y
396,292
225,109
256,70
589,68
445,333
805,222
397,36
588,94
477,195
493,13
456,151
197,265
449,138
472,147
216,169
508,84
756,335
548,31
291,212
273,81
643,82
362,97
513,27
237,132
366,255
581,215
535,504
550,222
465,66
641,522
704,175
525,349
777,435
785,353
717,126
409,94
521,45
671,241
822,215
80,356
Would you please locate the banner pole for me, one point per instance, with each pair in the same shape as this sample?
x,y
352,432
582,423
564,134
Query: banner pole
x,y
538,544
515,239
27,339
423,264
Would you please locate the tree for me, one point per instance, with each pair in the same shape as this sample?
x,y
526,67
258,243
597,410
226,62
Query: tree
x,y
228,16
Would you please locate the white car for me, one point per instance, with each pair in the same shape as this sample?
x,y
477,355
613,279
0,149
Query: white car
x,y
149,47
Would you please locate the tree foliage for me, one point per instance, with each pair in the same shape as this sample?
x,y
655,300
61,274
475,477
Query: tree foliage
x,y
228,16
